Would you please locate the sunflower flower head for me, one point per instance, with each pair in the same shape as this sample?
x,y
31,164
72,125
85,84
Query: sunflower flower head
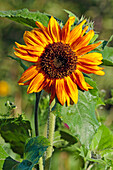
x,y
59,56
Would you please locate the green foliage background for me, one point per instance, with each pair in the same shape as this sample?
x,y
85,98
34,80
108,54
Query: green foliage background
x,y
101,13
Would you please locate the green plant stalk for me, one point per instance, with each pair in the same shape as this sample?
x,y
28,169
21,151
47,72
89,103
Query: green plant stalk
x,y
36,126
50,135
41,167
36,113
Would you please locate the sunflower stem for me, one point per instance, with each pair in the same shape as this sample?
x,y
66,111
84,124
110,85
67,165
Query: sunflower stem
x,y
37,126
36,113
50,136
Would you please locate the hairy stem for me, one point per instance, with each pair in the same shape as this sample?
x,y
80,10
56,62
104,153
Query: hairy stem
x,y
50,135
41,167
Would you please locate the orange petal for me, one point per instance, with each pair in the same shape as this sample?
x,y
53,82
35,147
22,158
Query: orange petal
x,y
60,91
71,89
30,73
45,31
80,80
37,84
89,87
29,58
28,53
67,100
90,59
84,30
73,78
54,29
31,39
35,53
82,41
66,29
76,32
40,25
87,49
24,47
100,73
41,37
30,47
90,69
48,87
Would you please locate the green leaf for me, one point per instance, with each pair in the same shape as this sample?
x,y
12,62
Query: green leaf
x,y
103,45
9,164
25,17
68,137
100,161
107,154
94,91
83,152
80,117
3,156
58,142
97,166
64,139
24,165
100,102
15,131
103,139
102,165
34,149
107,54
92,83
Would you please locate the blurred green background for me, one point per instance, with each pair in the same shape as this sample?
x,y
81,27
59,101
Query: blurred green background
x,y
99,11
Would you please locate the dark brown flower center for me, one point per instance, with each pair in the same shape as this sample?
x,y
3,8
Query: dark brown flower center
x,y
58,60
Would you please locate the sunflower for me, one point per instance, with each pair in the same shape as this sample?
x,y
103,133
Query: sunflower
x,y
59,56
